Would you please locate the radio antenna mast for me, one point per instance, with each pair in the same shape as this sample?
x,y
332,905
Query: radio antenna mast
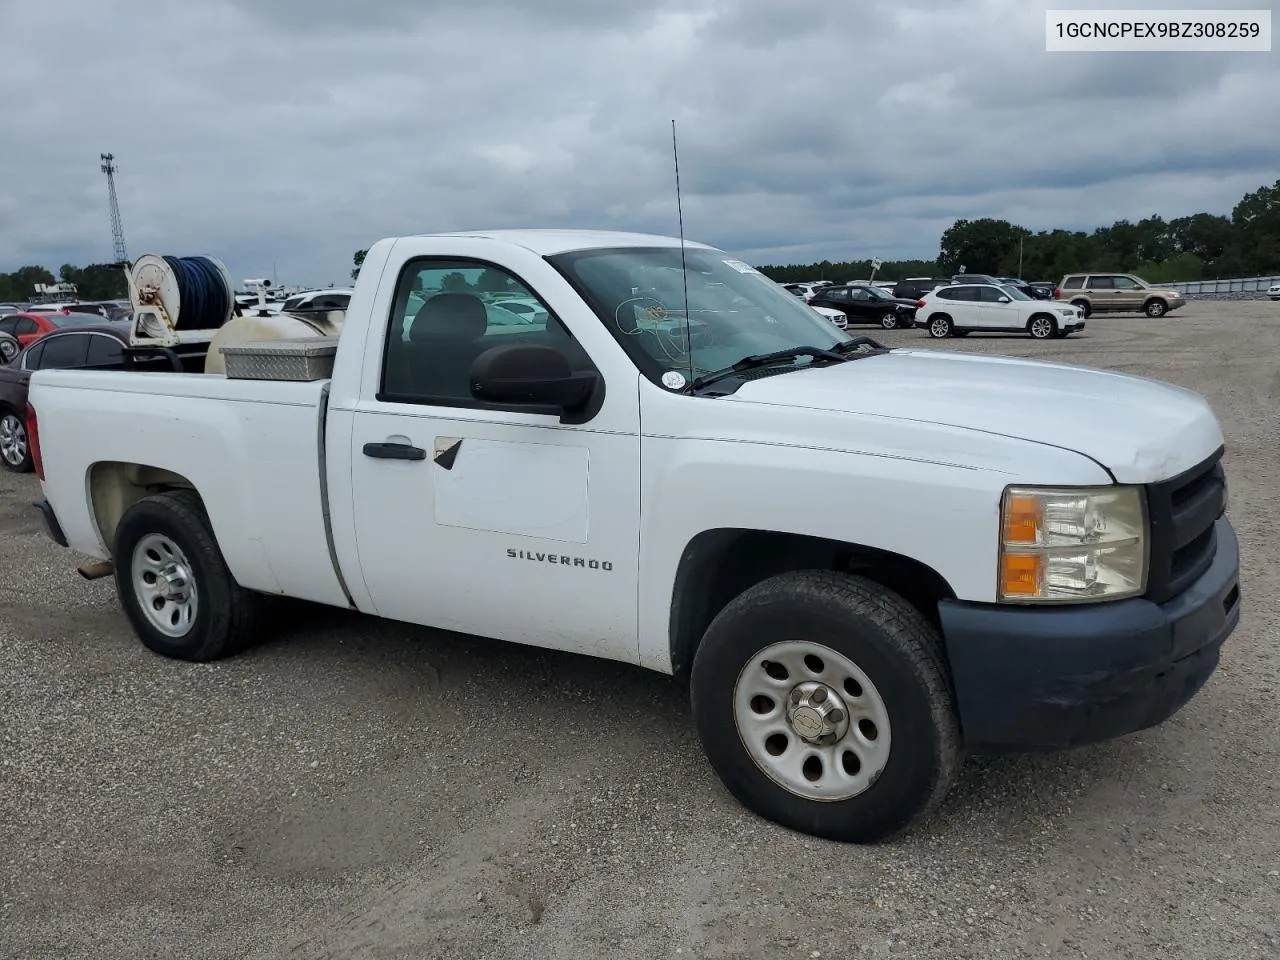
x,y
117,228
684,270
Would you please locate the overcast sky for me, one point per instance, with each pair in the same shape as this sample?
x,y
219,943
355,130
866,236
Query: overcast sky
x,y
296,131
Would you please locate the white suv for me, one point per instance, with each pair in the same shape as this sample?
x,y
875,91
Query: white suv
x,y
961,308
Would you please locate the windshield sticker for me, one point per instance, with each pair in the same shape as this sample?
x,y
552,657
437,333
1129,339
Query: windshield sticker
x,y
673,380
741,267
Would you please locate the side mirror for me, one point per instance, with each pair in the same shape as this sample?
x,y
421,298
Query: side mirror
x,y
1005,300
525,375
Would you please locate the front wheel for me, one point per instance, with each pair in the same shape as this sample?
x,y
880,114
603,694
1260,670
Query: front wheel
x,y
1156,308
1042,327
174,584
822,702
940,326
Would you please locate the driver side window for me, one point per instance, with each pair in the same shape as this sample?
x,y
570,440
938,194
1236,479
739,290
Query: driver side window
x,y
448,312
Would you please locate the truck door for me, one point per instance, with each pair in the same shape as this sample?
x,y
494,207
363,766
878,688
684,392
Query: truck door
x,y
496,522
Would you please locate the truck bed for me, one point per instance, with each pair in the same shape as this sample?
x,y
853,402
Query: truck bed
x,y
253,448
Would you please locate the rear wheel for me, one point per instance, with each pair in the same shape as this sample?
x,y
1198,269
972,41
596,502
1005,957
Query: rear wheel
x,y
15,452
1082,306
940,326
174,584
1042,327
823,705
890,321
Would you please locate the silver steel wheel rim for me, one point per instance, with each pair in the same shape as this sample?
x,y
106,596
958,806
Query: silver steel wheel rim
x,y
889,321
938,328
812,721
13,440
1041,328
8,350
164,586
1155,310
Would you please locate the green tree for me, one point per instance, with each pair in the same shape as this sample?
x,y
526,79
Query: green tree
x,y
985,245
493,281
358,260
1256,229
454,283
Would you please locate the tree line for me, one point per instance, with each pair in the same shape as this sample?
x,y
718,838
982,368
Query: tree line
x,y
1203,246
98,281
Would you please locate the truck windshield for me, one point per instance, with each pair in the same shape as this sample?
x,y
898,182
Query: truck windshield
x,y
734,311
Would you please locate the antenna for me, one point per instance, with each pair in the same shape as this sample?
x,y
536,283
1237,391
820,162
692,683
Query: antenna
x,y
684,270
117,228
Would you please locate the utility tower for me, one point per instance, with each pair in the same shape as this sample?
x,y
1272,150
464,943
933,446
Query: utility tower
x,y
117,228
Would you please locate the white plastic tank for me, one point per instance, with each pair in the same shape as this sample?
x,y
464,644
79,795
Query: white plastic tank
x,y
277,326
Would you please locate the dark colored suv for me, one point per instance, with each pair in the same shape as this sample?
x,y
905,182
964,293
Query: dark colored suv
x,y
913,288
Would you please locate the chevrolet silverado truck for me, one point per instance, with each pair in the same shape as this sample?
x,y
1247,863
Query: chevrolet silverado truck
x,y
863,562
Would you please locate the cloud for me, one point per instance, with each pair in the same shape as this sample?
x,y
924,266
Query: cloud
x,y
293,132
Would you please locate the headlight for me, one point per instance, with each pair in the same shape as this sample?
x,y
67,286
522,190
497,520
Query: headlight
x,y
1072,545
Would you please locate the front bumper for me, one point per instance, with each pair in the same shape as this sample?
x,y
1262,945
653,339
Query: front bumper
x,y
1053,677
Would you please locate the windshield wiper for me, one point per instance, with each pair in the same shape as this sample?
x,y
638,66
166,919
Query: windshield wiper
x,y
848,346
764,359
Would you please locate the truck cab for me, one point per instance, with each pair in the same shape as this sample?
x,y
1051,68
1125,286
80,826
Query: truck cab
x,y
864,562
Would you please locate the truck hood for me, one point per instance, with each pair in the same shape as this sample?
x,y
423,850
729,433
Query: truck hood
x,y
1140,430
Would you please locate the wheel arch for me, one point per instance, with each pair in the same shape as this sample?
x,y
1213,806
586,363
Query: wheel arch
x,y
115,486
717,565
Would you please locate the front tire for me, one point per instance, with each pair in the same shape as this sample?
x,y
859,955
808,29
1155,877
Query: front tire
x,y
1042,327
940,326
1156,308
823,705
174,584
15,451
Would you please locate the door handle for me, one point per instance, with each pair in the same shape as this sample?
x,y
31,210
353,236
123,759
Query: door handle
x,y
394,451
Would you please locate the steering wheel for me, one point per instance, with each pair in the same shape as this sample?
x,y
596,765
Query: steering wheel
x,y
9,348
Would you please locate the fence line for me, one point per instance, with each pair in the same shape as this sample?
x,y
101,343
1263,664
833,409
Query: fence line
x,y
1239,285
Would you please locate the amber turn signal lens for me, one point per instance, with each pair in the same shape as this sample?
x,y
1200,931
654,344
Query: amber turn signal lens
x,y
1022,519
1022,574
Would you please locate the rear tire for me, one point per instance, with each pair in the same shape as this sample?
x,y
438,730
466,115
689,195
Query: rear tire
x,y
890,321
940,326
888,747
1083,307
15,449
174,584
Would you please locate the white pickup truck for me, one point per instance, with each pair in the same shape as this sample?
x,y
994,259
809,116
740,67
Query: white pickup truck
x,y
864,562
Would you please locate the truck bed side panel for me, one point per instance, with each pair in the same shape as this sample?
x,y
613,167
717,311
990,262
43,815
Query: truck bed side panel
x,y
251,449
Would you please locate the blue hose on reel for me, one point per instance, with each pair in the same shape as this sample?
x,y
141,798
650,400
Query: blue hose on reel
x,y
202,292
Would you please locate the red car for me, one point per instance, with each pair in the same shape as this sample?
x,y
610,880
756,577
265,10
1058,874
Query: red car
x,y
72,344
29,327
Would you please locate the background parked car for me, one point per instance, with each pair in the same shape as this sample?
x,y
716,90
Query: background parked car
x,y
977,278
835,316
29,327
913,288
967,308
99,347
865,304
1273,292
1117,293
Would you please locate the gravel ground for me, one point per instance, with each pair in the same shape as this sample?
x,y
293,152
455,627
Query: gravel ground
x,y
363,789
